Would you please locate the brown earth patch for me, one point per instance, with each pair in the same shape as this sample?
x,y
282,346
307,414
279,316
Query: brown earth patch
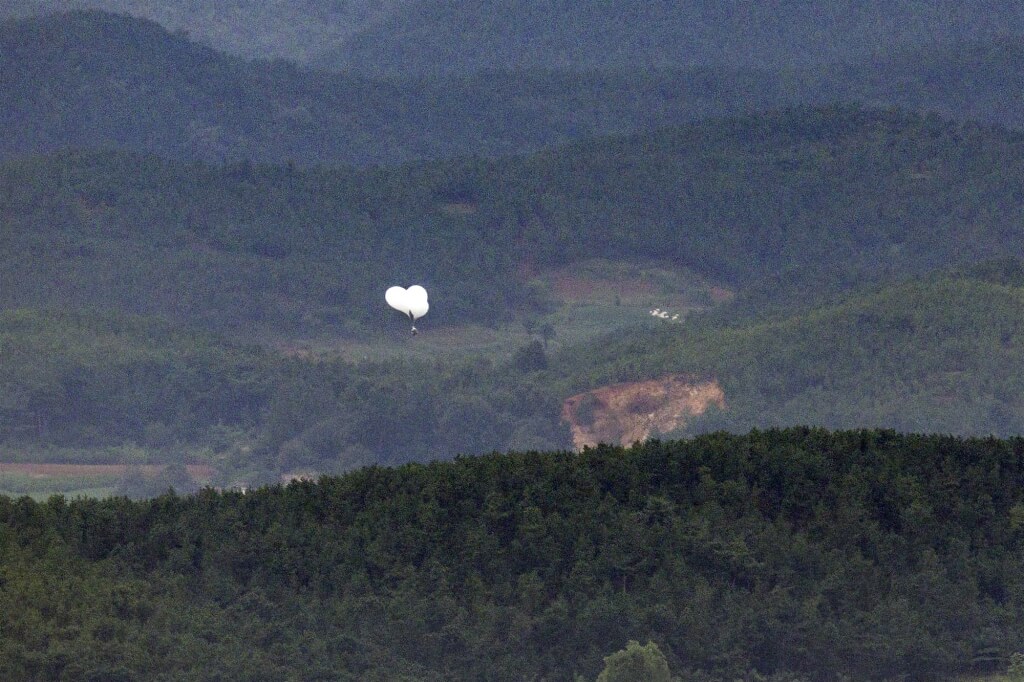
x,y
720,295
570,287
630,412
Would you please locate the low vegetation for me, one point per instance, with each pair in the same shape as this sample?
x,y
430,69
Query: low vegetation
x,y
926,354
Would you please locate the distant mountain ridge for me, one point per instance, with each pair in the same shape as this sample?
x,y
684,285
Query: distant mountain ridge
x,y
434,36
437,36
270,29
90,79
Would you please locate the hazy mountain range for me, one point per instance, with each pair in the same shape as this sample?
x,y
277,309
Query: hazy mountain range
x,y
98,80
435,36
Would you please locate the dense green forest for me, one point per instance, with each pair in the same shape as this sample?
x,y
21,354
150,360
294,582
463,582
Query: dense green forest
x,y
844,192
800,210
94,380
787,555
193,253
103,388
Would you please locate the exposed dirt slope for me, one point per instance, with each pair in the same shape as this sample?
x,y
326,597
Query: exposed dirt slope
x,y
629,412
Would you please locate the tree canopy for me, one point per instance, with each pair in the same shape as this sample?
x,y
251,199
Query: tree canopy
x,y
794,554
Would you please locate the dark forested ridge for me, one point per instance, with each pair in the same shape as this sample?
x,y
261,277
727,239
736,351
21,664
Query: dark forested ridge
x,y
406,36
89,79
793,555
436,36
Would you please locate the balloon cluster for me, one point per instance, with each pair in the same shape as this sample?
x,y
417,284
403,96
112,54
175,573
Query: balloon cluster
x,y
412,302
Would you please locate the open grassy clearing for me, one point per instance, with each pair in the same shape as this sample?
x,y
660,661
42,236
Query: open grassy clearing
x,y
584,301
16,484
41,480
69,493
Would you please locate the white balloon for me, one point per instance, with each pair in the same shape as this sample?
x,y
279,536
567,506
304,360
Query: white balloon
x,y
411,301
418,308
395,297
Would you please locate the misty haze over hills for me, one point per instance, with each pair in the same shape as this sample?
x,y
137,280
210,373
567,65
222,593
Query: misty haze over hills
x,y
433,37
93,79
402,37
145,173
296,30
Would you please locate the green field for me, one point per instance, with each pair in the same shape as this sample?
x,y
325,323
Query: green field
x,y
40,487
578,305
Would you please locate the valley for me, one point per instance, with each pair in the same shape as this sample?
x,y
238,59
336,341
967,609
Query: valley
x,y
715,372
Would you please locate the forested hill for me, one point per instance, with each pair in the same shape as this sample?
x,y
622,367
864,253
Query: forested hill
x,y
972,79
435,36
299,30
89,79
923,355
786,555
404,36
266,247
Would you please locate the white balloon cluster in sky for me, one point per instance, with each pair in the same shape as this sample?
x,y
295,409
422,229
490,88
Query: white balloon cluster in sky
x,y
412,302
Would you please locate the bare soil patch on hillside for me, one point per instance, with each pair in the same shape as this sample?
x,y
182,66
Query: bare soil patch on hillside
x,y
635,411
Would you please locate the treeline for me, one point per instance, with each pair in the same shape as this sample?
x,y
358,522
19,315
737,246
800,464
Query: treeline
x,y
100,387
792,555
270,249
